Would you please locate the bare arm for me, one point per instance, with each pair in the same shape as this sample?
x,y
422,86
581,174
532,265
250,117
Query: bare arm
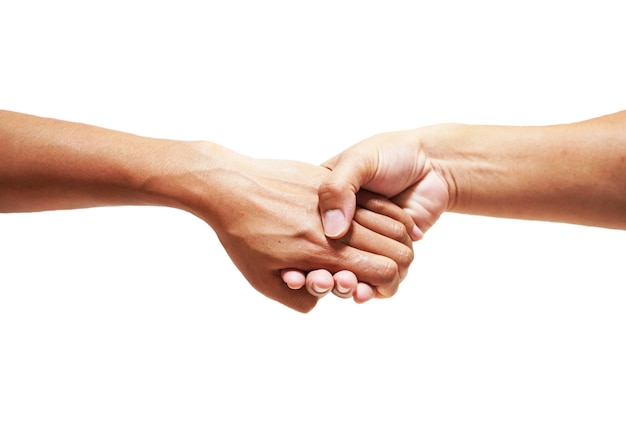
x,y
573,173
263,211
48,164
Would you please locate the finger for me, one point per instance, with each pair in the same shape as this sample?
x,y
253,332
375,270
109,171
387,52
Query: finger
x,y
384,226
319,282
363,293
382,205
377,270
345,284
337,202
294,278
393,256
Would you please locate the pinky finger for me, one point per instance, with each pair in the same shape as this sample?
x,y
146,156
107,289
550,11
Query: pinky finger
x,y
364,292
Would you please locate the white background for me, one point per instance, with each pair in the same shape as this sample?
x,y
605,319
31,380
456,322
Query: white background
x,y
137,314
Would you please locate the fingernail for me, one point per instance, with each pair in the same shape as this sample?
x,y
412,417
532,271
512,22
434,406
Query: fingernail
x,y
334,222
319,290
342,290
416,233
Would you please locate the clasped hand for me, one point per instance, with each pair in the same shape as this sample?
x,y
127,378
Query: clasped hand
x,y
269,223
299,231
393,165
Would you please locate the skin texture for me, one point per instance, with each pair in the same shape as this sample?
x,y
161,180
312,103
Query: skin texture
x,y
345,284
572,173
278,225
265,212
390,165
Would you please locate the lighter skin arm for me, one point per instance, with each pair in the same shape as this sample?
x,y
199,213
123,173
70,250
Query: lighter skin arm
x,y
571,173
265,212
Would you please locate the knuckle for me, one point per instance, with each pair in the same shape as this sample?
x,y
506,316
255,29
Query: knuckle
x,y
405,256
407,223
407,220
388,291
331,188
388,272
397,231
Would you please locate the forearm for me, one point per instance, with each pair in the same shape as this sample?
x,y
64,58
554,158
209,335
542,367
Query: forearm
x,y
572,173
48,164
263,211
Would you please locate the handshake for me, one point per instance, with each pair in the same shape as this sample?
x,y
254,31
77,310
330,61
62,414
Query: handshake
x,y
345,227
298,231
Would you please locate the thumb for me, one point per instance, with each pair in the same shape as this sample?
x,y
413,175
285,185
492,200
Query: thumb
x,y
337,193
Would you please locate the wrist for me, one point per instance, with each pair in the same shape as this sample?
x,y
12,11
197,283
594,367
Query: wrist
x,y
440,146
530,172
185,175
49,164
478,163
